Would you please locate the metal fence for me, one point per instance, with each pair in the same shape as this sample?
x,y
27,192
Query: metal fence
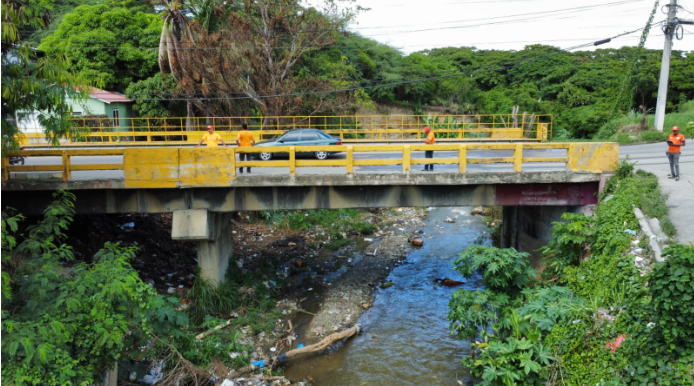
x,y
355,128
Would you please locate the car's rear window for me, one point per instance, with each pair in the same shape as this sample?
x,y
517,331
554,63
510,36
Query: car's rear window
x,y
322,134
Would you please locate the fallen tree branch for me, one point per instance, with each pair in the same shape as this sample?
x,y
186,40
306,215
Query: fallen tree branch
x,y
205,334
320,346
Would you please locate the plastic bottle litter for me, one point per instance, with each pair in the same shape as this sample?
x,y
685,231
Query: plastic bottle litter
x,y
368,240
128,225
300,345
260,363
629,231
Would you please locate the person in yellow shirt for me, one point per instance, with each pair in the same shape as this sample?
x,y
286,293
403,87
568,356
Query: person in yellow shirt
x,y
430,140
211,138
244,139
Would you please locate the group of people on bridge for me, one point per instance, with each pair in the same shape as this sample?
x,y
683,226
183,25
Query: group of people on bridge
x,y
245,139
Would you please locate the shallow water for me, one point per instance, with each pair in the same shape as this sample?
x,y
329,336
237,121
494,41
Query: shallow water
x,y
406,339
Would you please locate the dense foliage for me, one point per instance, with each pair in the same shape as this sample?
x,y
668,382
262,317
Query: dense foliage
x,y
114,45
66,322
30,82
584,90
610,322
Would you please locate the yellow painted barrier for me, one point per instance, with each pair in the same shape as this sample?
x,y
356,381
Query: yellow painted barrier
x,y
197,167
104,131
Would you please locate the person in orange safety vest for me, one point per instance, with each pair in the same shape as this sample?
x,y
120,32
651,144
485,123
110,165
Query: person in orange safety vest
x,y
430,140
675,143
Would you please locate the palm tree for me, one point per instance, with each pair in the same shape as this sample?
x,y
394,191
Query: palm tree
x,y
171,56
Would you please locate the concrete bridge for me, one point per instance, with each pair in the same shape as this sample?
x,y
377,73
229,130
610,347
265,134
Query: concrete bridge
x,y
535,182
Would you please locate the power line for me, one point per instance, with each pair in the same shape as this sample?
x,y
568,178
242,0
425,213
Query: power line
x,y
543,14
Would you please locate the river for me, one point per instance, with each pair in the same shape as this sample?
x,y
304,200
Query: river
x,y
406,339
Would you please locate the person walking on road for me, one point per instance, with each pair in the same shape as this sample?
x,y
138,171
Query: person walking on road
x,y
211,138
675,142
244,139
430,140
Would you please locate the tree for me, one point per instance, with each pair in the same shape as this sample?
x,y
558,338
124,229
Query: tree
x,y
151,94
114,45
65,326
252,56
31,82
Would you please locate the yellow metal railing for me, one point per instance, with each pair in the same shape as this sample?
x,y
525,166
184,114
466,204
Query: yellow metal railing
x,y
185,167
353,129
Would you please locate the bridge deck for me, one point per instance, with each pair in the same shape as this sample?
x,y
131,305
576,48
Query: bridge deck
x,y
380,164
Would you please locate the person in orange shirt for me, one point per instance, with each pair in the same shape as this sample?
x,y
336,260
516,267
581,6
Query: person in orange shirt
x,y
211,138
430,140
245,138
675,143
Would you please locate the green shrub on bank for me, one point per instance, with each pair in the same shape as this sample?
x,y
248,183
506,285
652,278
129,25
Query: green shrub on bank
x,y
503,270
336,220
612,324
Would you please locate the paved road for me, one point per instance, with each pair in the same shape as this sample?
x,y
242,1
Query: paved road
x,y
651,157
117,174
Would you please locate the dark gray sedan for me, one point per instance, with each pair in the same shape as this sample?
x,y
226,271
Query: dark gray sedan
x,y
300,137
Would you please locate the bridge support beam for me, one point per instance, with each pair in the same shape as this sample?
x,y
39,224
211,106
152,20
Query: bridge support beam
x,y
212,232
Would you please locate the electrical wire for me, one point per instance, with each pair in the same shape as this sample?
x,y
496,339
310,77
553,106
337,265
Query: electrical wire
x,y
543,14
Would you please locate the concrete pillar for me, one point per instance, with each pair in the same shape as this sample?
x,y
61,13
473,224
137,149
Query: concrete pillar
x,y
212,232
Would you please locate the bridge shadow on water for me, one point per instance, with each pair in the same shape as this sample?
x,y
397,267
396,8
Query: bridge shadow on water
x,y
406,339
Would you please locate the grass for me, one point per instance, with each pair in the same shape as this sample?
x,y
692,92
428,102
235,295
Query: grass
x,y
617,129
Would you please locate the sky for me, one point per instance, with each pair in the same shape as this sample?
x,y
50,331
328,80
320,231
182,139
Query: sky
x,y
415,25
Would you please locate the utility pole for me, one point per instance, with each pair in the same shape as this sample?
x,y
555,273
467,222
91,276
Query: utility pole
x,y
665,66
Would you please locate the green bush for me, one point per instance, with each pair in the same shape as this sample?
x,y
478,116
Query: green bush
x,y
472,312
668,227
672,285
622,139
504,270
569,241
517,357
653,136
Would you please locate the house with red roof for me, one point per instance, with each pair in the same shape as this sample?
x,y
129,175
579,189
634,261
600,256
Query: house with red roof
x,y
101,103
109,103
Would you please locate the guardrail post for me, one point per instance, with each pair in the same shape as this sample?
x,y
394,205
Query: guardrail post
x,y
5,171
292,161
462,159
350,160
66,166
518,158
406,159
232,152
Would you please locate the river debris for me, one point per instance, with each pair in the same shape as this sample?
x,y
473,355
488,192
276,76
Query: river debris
x,y
446,282
320,346
386,285
416,241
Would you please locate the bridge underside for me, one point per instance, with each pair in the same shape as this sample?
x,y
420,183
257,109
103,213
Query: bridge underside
x,y
318,192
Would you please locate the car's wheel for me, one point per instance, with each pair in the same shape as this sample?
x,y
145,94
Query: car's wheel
x,y
265,156
321,154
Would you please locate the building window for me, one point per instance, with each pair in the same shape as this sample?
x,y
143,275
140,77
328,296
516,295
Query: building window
x,y
116,115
